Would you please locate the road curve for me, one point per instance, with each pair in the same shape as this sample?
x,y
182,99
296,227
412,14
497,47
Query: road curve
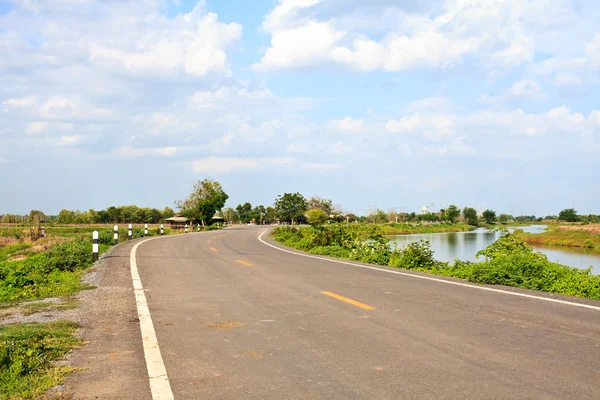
x,y
237,319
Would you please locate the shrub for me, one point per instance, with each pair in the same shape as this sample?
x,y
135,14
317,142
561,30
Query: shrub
x,y
416,255
331,251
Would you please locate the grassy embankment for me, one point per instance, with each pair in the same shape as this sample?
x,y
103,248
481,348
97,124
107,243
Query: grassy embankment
x,y
508,261
404,228
583,236
50,267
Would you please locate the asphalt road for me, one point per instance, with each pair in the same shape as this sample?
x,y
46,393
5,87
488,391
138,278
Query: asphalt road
x,y
237,319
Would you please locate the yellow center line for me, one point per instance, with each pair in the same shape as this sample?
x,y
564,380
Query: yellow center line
x,y
350,301
245,263
213,249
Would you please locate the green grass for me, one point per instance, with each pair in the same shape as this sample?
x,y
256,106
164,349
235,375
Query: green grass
x,y
33,308
7,251
567,238
402,229
28,355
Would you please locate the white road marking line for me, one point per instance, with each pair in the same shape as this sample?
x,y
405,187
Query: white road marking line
x,y
570,303
159,381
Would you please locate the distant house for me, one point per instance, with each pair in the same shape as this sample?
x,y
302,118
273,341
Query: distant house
x,y
177,222
218,218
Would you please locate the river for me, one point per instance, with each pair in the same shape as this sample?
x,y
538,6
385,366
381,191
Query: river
x,y
465,245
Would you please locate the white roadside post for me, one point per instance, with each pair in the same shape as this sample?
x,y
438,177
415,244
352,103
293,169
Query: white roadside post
x,y
95,246
186,226
198,227
115,235
130,233
145,229
162,231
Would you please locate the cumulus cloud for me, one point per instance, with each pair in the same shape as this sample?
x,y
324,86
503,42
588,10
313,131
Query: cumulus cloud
x,y
302,35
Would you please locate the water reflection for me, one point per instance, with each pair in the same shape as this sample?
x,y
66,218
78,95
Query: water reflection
x,y
465,245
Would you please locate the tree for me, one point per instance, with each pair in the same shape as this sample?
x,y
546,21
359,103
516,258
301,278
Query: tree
x,y
320,203
270,215
504,218
206,199
392,216
244,212
229,215
568,215
258,213
489,216
167,212
316,216
291,207
470,215
36,217
452,213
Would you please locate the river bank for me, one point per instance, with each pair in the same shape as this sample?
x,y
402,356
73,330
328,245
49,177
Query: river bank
x,y
581,236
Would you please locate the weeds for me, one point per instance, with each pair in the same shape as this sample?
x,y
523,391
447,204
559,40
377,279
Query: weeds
x,y
28,355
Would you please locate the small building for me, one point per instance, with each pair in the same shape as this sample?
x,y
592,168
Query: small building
x,y
177,222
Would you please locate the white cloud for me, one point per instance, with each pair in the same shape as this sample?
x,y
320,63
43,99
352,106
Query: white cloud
x,y
299,148
20,102
223,165
340,148
70,140
322,166
433,126
35,127
302,36
128,151
524,89
347,124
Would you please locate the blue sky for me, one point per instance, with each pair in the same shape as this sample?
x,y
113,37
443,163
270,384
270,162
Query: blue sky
x,y
386,103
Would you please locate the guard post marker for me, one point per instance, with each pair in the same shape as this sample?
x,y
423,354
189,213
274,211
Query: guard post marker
x,y
198,227
95,246
130,233
162,231
186,226
115,235
145,229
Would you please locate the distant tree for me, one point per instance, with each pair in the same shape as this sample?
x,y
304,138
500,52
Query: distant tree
x,y
568,215
65,217
244,212
392,216
322,203
259,213
36,217
470,215
489,216
167,212
229,215
206,199
270,215
316,216
452,213
351,217
291,207
505,218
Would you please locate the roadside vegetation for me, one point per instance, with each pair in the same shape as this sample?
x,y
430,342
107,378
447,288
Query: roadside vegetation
x,y
508,261
29,355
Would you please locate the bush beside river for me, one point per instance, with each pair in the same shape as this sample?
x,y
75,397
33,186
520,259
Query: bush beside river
x,y
508,261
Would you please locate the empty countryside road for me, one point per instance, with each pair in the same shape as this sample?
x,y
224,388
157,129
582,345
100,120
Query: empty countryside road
x,y
238,319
